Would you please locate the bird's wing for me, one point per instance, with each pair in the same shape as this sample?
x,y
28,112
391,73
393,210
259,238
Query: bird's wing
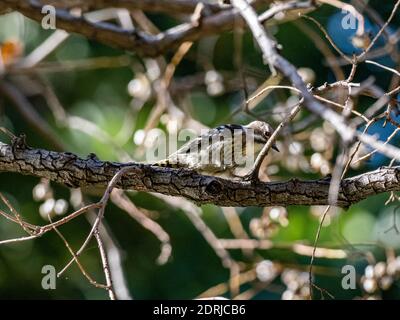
x,y
197,143
208,151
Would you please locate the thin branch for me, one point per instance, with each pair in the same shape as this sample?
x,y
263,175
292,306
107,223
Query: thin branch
x,y
312,285
372,43
103,203
80,266
383,67
106,266
114,256
333,44
124,203
28,112
274,60
264,151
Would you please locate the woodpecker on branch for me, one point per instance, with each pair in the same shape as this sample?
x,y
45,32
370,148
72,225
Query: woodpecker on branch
x,y
223,150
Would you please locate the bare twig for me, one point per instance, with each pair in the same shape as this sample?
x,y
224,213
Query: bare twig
x,y
264,151
123,202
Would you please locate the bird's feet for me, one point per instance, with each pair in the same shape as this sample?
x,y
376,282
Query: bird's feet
x,y
252,176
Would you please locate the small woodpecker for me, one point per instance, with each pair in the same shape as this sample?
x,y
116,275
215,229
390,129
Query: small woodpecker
x,y
221,151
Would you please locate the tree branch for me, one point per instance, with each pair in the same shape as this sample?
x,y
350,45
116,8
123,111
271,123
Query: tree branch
x,y
276,61
70,170
165,6
140,42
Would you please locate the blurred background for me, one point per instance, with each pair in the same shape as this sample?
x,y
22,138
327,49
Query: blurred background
x,y
84,97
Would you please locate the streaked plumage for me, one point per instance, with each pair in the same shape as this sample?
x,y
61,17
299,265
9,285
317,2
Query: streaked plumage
x,y
221,150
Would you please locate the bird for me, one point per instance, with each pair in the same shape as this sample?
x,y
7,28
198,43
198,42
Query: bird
x,y
222,151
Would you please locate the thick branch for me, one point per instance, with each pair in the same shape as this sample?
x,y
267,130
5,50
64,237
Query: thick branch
x,y
140,42
166,6
72,171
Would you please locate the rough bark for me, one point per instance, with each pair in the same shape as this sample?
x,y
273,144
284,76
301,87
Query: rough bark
x,y
72,171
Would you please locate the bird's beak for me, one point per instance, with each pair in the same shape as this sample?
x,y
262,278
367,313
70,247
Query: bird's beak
x,y
275,147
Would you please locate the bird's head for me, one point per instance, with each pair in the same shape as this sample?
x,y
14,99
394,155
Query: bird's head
x,y
262,132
